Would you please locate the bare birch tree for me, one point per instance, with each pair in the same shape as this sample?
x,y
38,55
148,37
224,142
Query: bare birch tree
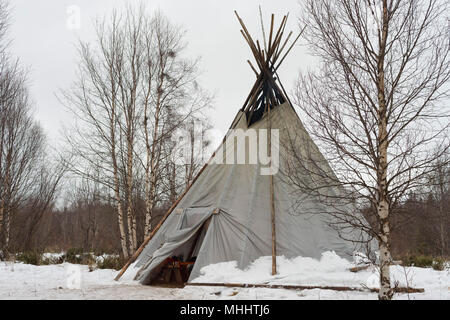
x,y
171,97
376,107
134,88
103,100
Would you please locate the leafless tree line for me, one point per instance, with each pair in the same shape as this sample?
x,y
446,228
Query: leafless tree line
x,y
26,176
87,220
423,219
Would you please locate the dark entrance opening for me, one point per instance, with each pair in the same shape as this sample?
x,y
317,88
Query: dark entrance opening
x,y
175,270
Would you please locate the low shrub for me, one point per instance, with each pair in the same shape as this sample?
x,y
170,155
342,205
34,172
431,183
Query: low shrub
x,y
30,257
75,256
423,261
439,264
111,262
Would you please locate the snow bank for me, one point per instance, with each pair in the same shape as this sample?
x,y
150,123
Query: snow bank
x,y
100,259
330,270
51,255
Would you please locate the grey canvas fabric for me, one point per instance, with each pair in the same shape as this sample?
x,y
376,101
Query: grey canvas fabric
x,y
236,197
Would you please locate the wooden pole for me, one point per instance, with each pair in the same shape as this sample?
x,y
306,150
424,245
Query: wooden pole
x,y
287,16
262,27
272,200
255,87
254,95
278,37
271,31
298,287
277,54
253,68
293,43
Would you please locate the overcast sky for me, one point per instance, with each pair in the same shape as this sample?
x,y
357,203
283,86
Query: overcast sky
x,y
46,45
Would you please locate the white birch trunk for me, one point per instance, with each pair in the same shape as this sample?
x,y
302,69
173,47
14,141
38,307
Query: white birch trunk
x,y
386,291
1,215
151,164
123,242
130,214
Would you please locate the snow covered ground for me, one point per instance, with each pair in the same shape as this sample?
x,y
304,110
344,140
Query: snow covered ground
x,y
70,281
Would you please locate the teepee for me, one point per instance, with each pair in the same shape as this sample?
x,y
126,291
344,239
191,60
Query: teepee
x,y
242,211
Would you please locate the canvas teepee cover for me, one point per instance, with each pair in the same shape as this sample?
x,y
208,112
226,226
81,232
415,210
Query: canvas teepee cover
x,y
227,213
